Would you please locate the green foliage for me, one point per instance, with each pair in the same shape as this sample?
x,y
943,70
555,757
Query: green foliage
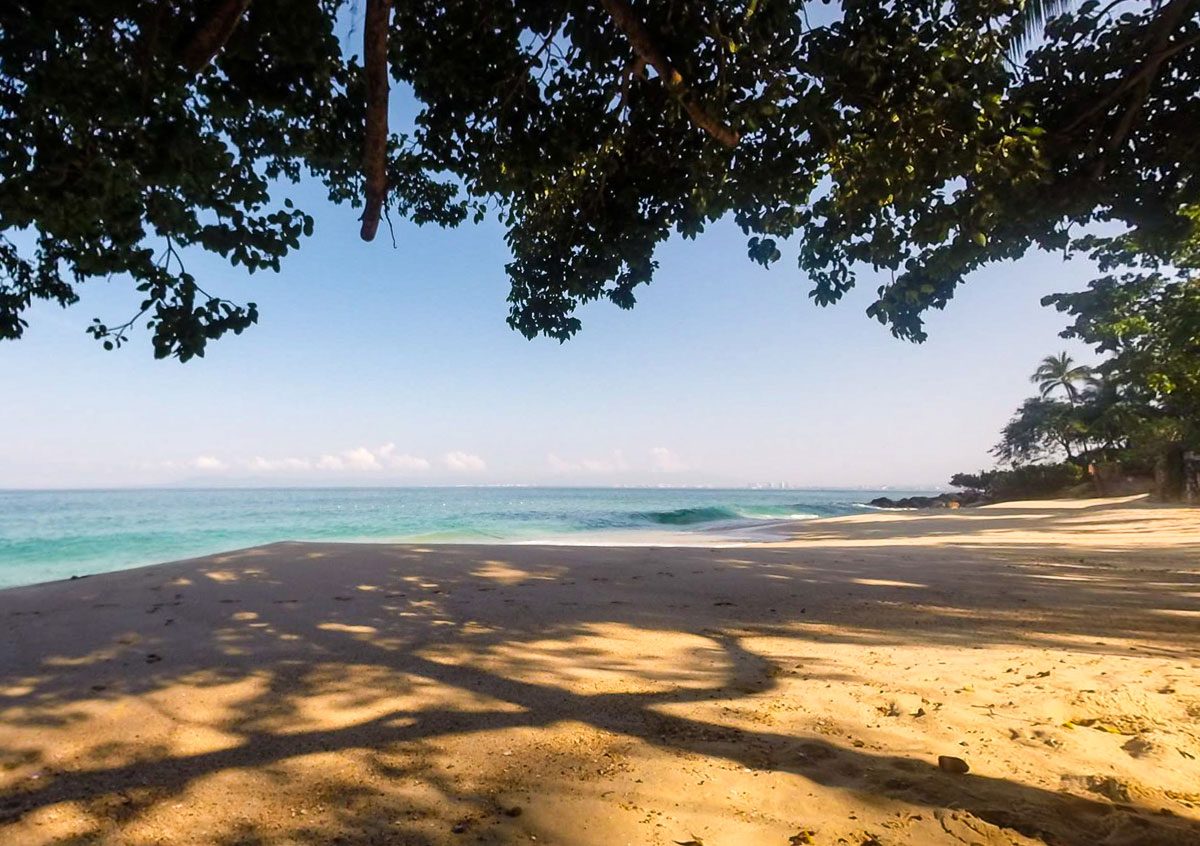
x,y
1141,405
113,158
1149,325
971,481
1041,428
1026,481
899,138
1034,480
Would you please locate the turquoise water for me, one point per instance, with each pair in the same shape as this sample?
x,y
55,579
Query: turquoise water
x,y
46,535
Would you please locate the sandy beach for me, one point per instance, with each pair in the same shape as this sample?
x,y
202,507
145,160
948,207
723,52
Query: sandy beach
x,y
770,694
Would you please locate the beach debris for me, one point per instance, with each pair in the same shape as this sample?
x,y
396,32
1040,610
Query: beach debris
x,y
1138,747
514,811
695,841
950,764
153,658
1110,787
800,838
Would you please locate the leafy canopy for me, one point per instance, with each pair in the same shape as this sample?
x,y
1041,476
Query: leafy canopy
x,y
1148,324
898,136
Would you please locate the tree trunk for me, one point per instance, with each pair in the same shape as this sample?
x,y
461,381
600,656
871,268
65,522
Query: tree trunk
x,y
1191,478
375,140
1169,480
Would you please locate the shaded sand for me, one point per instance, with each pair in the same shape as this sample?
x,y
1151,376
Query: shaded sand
x,y
768,694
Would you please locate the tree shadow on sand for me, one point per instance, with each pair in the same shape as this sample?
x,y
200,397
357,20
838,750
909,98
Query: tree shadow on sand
x,y
362,683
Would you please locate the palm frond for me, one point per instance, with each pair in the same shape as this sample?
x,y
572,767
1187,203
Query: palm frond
x,y
1031,20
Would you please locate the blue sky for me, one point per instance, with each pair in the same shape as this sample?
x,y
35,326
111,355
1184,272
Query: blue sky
x,y
374,365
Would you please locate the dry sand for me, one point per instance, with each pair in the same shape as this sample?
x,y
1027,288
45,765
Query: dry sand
x,y
768,694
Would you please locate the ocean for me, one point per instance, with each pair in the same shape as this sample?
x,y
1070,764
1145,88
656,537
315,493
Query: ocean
x,y
48,535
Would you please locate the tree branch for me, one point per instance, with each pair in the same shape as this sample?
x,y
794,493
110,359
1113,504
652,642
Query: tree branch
x,y
1159,33
375,140
644,45
212,33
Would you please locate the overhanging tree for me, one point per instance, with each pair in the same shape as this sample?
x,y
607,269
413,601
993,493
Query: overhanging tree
x,y
899,137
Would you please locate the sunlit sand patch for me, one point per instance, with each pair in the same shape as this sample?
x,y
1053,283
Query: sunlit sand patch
x,y
343,627
505,573
605,658
222,575
93,657
19,689
887,583
421,582
69,821
1057,578
336,696
471,628
212,699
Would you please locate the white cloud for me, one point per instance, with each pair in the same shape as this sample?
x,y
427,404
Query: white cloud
x,y
400,461
258,464
357,460
207,462
330,462
662,460
614,463
464,462
361,459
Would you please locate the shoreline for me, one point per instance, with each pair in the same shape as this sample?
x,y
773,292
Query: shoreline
x,y
77,533
749,532
463,693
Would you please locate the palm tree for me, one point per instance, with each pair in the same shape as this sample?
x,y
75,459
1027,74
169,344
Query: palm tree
x,y
1031,20
1061,371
